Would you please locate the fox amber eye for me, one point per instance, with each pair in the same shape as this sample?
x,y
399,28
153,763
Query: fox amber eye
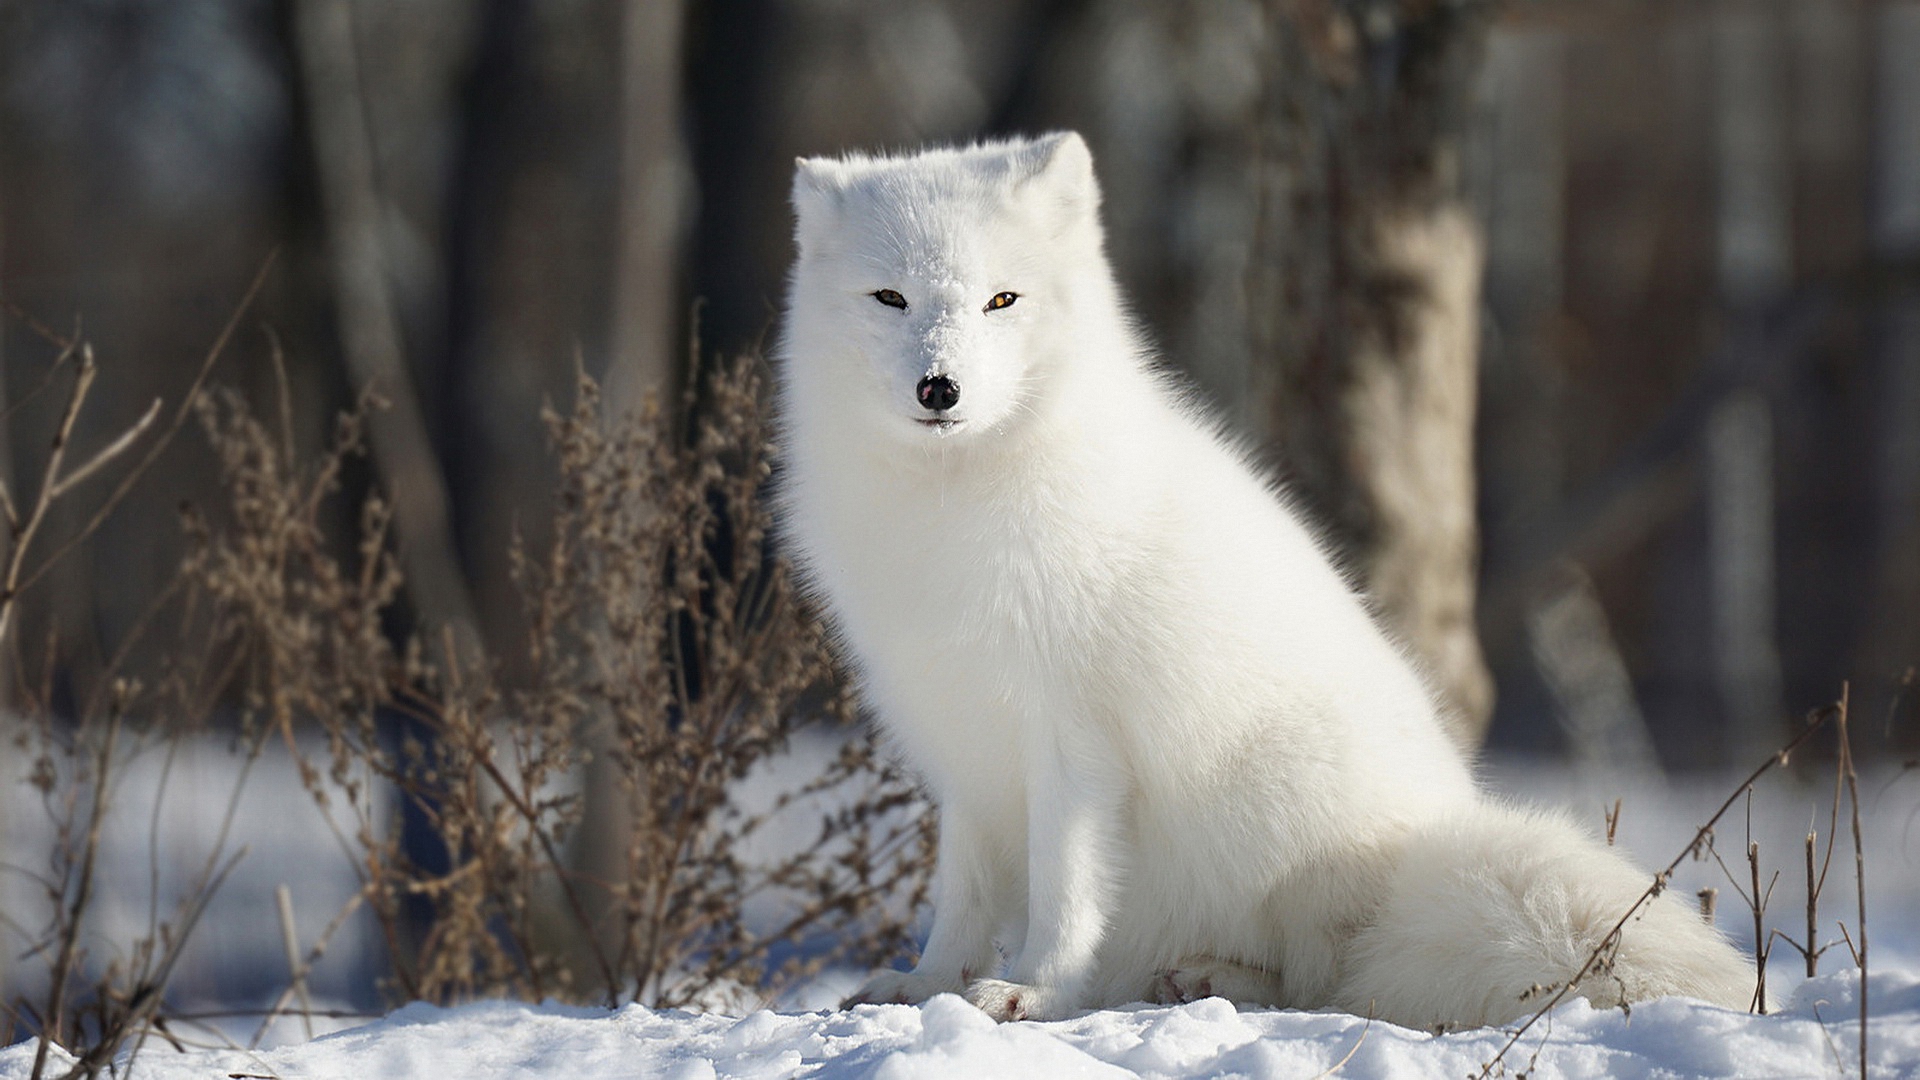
x,y
1001,300
890,298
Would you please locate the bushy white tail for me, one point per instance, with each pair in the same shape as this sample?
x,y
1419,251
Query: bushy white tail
x,y
1489,912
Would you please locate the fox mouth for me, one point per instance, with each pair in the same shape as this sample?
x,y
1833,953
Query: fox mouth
x,y
939,424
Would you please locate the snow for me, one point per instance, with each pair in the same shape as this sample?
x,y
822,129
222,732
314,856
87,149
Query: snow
x,y
170,807
946,1037
1812,1031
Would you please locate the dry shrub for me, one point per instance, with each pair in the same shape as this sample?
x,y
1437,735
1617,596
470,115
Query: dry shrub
x,y
95,994
668,655
666,649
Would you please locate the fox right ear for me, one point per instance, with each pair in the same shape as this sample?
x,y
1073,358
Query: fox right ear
x,y
817,185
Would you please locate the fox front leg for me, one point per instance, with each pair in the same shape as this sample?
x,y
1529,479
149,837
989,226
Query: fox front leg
x,y
1073,849
970,895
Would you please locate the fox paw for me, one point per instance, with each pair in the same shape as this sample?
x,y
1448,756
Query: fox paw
x,y
1006,1001
902,988
1178,986
1205,977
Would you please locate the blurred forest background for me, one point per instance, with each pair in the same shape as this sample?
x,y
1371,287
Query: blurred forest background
x,y
1590,329
1646,269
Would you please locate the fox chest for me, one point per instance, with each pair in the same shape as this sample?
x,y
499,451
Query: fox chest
x,y
977,609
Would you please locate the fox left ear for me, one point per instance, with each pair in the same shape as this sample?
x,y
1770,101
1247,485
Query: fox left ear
x,y
818,190
816,183
1062,164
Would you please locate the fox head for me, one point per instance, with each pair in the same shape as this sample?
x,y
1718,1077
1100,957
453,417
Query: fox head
x,y
935,294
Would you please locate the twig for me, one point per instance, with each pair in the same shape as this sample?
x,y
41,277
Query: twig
x,y
107,453
291,940
67,351
41,330
76,909
1839,1066
234,1014
516,799
21,531
1859,870
1351,1050
1762,943
284,387
147,995
154,450
314,954
1812,952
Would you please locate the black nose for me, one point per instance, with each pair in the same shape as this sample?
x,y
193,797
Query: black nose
x,y
937,392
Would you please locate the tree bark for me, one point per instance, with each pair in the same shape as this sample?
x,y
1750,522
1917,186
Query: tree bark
x,y
1755,258
1364,298
643,356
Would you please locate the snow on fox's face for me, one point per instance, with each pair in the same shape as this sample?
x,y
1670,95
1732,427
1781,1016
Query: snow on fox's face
x,y
932,290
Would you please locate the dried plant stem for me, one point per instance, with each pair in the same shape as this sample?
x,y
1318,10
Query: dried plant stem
x,y
64,343
144,1001
1859,870
304,966
1812,952
1658,886
296,971
21,530
107,453
480,753
132,477
1757,905
77,907
1351,1050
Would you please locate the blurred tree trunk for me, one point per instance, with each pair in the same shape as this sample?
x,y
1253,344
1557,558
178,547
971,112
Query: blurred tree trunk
x,y
643,355
741,223
1893,630
7,779
1755,257
1364,296
642,362
370,326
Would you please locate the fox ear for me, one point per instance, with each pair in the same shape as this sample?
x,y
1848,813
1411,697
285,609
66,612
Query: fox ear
x,y
817,185
819,188
1062,165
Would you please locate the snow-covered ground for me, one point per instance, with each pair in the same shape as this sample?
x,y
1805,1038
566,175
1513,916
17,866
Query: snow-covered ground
x,y
1811,1032
946,1037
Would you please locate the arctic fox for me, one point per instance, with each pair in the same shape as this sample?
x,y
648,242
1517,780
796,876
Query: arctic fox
x,y
1173,754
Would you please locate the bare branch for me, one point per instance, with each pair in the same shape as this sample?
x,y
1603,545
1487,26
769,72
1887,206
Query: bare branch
x,y
22,535
159,445
68,346
107,453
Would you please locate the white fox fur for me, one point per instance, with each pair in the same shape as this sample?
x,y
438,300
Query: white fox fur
x,y
1172,752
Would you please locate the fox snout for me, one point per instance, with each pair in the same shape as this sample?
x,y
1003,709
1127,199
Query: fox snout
x,y
937,393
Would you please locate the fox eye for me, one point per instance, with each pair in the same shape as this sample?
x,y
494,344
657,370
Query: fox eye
x,y
1001,300
890,298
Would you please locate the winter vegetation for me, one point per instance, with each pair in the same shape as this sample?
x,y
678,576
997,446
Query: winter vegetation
x,y
400,674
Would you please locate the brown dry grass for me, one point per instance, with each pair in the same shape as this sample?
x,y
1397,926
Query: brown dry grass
x,y
668,657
